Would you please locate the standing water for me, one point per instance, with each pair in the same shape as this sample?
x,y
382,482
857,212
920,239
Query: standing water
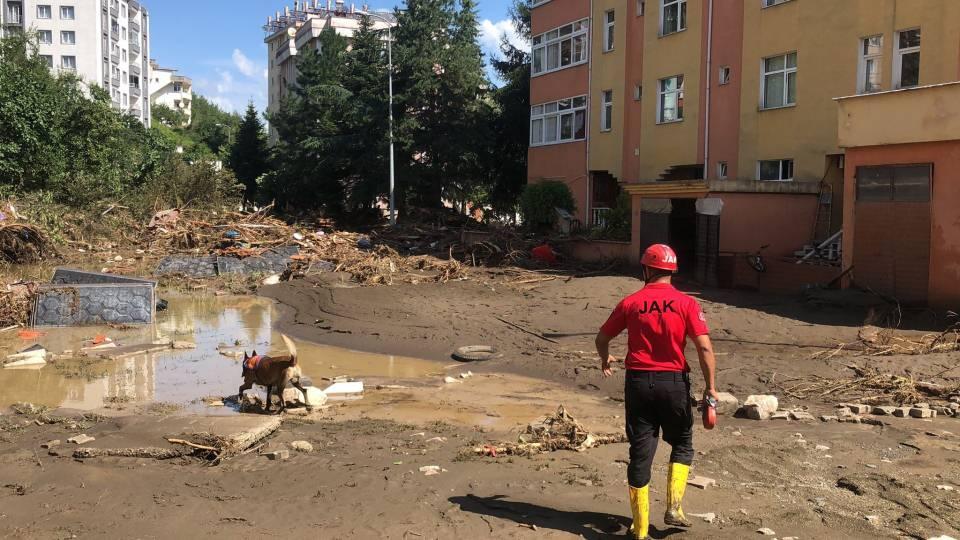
x,y
180,377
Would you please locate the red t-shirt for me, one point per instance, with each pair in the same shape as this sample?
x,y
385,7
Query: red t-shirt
x,y
658,319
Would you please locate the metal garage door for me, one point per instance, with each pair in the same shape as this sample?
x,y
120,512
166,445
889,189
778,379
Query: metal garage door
x,y
891,252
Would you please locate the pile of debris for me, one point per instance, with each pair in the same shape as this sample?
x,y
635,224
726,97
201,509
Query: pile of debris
x,y
15,302
875,341
872,387
558,431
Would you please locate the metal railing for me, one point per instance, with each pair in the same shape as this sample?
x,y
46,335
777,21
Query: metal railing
x,y
598,216
115,35
14,16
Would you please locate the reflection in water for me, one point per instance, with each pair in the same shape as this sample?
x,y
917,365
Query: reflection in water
x,y
182,377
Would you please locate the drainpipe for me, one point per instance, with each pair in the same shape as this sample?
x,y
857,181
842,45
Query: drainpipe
x,y
589,119
706,128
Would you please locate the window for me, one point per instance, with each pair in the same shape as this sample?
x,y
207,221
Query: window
x,y
45,37
558,122
68,37
68,62
871,55
779,81
641,8
637,92
560,48
724,76
44,12
606,114
48,59
123,54
124,100
608,35
123,33
722,170
670,105
900,183
906,64
673,16
775,170
177,87
67,13
768,3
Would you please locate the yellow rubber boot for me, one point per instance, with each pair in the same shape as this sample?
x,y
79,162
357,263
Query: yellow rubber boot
x,y
640,505
677,485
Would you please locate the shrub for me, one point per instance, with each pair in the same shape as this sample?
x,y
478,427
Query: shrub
x,y
617,225
539,201
201,184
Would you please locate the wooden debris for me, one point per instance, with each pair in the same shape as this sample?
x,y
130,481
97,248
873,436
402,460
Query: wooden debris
x,y
559,431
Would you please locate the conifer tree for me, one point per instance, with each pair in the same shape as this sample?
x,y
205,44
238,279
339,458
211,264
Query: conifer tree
x,y
248,155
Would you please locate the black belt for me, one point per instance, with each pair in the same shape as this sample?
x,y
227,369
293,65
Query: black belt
x,y
676,376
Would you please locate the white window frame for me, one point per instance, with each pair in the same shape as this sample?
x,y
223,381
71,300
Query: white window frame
x,y
783,166
606,110
724,75
661,95
722,170
898,55
68,9
63,37
63,62
864,58
771,3
557,110
641,7
47,33
785,73
609,34
542,44
681,6
49,12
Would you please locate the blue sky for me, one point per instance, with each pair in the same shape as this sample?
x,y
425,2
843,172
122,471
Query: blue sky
x,y
219,43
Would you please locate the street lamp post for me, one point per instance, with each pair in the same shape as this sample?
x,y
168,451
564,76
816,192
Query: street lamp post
x,y
393,207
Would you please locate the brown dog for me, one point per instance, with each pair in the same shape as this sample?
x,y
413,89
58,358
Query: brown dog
x,y
274,373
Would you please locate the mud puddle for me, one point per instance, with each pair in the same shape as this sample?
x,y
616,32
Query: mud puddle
x,y
181,377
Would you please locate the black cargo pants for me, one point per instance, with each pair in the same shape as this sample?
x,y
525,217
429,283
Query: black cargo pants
x,y
656,400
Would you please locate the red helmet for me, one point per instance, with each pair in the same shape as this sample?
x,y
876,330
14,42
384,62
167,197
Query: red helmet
x,y
660,256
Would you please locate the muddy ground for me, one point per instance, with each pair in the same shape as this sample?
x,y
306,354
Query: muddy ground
x,y
362,479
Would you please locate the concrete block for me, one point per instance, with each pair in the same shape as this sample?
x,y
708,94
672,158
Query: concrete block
x,y
278,455
97,304
754,412
50,444
701,482
727,403
766,403
920,412
801,416
921,406
901,412
199,267
780,415
80,439
829,418
72,276
859,408
883,411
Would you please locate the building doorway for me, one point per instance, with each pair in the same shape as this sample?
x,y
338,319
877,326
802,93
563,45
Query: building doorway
x,y
683,234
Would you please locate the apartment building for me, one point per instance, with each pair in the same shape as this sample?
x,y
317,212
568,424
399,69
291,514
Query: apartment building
x,y
104,42
719,117
297,28
172,90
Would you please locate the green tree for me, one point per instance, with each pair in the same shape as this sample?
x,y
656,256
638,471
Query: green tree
x,y
511,123
248,154
309,153
211,125
440,96
167,116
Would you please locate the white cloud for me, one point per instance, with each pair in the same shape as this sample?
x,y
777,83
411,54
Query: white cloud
x,y
243,64
225,84
492,32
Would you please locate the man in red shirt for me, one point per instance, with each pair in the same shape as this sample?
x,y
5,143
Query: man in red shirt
x,y
658,320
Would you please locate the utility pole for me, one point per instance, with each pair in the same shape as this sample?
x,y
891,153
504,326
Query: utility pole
x,y
393,206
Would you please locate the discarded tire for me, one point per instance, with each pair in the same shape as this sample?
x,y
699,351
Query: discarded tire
x,y
475,353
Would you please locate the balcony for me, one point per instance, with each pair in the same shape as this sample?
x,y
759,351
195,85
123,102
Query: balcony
x,y
14,15
134,68
105,5
115,58
115,35
115,10
134,90
135,27
133,6
134,47
115,82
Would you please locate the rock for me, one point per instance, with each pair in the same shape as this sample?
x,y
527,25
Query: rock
x,y
272,280
829,418
50,444
81,439
709,517
901,412
315,397
753,412
801,416
780,415
278,455
765,403
821,448
450,380
922,412
184,345
955,406
872,421
873,520
851,419
727,403
942,537
466,375
585,482
766,532
883,411
859,408
946,488
701,482
921,406
430,470
302,446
